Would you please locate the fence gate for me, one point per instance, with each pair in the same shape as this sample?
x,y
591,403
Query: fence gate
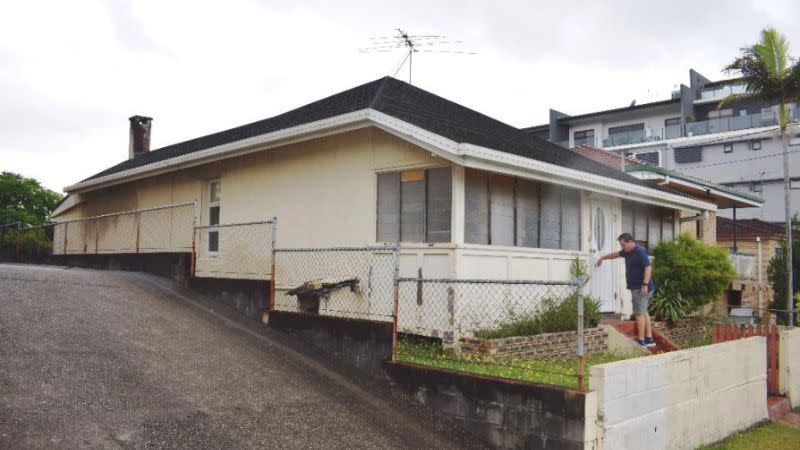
x,y
723,333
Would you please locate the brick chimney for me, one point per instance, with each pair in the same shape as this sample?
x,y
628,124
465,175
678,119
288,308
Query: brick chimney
x,y
139,142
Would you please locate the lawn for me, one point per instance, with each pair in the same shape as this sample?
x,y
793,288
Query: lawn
x,y
769,436
557,372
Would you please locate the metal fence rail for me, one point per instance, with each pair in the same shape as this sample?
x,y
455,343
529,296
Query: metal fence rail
x,y
355,282
235,250
160,229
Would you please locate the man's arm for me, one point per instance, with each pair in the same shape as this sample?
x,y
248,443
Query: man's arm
x,y
648,272
612,255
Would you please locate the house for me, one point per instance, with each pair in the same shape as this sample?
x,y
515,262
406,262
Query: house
x,y
737,146
755,243
467,196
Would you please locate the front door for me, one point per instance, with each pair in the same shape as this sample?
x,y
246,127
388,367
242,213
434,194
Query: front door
x,y
602,242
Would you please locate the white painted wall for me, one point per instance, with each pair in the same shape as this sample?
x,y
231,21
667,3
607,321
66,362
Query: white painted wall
x,y
683,399
789,364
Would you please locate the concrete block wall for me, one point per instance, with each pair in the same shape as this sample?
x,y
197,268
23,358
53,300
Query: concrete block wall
x,y
789,363
682,399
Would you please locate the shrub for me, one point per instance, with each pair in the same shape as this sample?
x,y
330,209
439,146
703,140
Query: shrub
x,y
668,304
553,315
27,238
696,272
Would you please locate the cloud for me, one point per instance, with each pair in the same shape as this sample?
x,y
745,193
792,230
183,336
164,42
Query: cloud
x,y
69,79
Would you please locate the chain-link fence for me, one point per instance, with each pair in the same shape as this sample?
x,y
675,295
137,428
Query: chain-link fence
x,y
354,282
495,327
160,229
237,250
19,241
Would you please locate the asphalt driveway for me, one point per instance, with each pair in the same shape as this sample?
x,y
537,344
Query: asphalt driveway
x,y
113,359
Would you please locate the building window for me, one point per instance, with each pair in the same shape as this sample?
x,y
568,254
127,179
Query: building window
x,y
727,148
503,210
649,225
794,140
585,137
688,155
213,214
672,128
649,157
415,205
755,145
756,186
794,184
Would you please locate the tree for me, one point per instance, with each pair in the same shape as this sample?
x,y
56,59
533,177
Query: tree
x,y
687,270
776,273
772,77
25,200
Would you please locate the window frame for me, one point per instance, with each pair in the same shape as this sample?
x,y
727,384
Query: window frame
x,y
727,148
584,134
755,145
213,204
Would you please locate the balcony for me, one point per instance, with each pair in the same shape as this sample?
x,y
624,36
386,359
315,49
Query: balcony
x,y
632,137
732,123
744,264
720,92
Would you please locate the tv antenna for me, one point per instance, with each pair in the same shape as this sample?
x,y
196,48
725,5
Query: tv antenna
x,y
412,44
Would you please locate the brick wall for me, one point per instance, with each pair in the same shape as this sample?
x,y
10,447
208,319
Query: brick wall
x,y
689,331
540,346
708,228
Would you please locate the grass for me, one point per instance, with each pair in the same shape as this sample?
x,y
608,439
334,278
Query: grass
x,y
560,372
768,436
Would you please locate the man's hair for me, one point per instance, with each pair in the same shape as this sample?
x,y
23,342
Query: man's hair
x,y
625,237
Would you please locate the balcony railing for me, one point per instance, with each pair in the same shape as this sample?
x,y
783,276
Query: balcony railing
x,y
720,92
731,123
632,137
744,264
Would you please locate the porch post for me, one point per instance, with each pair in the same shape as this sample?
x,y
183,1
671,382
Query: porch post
x,y
735,246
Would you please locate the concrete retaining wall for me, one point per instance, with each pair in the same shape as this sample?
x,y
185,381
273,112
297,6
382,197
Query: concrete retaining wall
x,y
789,363
682,399
540,346
505,413
171,265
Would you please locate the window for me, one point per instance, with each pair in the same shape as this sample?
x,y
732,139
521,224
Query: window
x,y
502,210
213,214
756,186
414,206
794,184
672,128
755,145
794,140
688,155
585,137
727,148
649,158
648,224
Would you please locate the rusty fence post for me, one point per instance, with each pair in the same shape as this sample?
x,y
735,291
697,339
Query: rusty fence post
x,y
271,299
195,230
138,227
66,229
395,300
96,236
579,282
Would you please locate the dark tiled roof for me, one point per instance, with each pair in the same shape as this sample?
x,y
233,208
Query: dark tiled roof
x,y
603,156
748,228
410,104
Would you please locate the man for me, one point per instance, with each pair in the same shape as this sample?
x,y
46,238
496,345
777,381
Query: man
x,y
638,279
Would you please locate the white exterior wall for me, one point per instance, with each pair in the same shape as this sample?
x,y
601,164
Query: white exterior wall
x,y
652,122
682,399
789,364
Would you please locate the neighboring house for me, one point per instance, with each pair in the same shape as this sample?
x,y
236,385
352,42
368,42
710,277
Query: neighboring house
x,y
755,243
467,196
736,146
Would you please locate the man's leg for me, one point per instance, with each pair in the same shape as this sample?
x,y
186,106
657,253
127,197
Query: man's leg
x,y
649,325
640,325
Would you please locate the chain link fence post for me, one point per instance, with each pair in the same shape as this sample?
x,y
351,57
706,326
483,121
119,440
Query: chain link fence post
x,y
395,300
195,223
271,299
579,283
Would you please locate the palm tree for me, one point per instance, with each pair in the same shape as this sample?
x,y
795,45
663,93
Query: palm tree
x,y
772,77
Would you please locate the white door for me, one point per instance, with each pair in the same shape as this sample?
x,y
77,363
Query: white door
x,y
602,242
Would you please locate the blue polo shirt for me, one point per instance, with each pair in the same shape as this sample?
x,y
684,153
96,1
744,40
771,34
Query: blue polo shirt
x,y
635,263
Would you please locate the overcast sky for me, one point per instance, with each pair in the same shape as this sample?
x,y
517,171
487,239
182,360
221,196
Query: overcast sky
x,y
71,73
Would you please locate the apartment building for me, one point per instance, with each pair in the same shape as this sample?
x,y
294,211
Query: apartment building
x,y
736,145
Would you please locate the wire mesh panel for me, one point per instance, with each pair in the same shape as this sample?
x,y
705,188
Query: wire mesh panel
x,y
241,251
356,282
166,229
490,327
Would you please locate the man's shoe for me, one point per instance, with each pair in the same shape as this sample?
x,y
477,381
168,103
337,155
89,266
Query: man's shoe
x,y
642,343
649,342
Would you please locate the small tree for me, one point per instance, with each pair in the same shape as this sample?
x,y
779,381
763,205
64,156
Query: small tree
x,y
692,272
776,273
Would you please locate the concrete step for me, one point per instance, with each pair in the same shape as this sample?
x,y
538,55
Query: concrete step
x,y
663,345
